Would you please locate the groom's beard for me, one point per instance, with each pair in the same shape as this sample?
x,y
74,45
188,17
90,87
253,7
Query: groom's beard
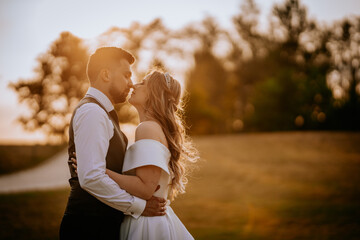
x,y
117,96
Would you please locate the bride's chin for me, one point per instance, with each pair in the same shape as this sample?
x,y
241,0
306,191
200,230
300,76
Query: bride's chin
x,y
131,101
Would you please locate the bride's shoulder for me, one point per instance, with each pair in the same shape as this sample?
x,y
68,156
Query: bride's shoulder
x,y
150,130
149,127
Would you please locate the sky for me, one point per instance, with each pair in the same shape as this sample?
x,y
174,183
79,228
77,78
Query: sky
x,y
27,27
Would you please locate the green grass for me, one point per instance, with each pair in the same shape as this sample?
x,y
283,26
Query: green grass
x,y
34,215
251,186
18,157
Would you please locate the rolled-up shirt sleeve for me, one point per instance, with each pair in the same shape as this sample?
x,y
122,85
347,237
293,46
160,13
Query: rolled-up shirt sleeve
x,y
92,132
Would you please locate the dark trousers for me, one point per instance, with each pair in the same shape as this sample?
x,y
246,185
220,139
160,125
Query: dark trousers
x,y
89,227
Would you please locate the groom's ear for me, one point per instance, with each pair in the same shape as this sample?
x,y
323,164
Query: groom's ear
x,y
105,75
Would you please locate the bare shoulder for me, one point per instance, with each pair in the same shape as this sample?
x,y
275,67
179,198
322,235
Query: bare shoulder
x,y
150,130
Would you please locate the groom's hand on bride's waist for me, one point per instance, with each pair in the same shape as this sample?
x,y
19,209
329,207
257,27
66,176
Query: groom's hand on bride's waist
x,y
155,207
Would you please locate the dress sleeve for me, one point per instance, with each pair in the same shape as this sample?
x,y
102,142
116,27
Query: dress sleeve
x,y
147,152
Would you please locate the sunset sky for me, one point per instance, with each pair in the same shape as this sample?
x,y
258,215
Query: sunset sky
x,y
28,27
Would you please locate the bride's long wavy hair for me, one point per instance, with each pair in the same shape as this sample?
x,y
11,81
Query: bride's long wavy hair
x,y
164,104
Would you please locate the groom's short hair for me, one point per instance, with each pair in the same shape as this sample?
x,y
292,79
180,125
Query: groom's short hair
x,y
105,57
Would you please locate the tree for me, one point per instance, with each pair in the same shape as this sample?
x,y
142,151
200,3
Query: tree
x,y
206,111
344,77
208,108
59,83
285,82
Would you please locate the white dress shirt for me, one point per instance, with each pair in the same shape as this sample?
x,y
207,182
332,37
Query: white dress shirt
x,y
92,132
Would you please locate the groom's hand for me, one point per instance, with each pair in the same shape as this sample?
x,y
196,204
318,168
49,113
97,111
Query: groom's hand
x,y
155,207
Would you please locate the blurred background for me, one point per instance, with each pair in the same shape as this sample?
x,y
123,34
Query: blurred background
x,y
272,92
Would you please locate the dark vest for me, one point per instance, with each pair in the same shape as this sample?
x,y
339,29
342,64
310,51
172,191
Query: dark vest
x,y
81,202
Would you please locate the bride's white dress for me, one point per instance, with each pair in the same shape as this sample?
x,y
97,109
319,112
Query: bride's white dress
x,y
150,152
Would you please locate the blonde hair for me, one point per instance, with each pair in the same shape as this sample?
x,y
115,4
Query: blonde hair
x,y
164,104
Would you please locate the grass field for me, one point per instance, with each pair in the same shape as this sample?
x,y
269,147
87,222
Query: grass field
x,y
252,186
17,157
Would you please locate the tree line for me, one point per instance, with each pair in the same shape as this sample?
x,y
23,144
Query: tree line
x,y
295,75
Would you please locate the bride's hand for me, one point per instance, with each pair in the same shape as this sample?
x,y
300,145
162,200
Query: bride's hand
x,y
74,162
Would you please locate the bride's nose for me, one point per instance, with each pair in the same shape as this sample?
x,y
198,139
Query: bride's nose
x,y
130,84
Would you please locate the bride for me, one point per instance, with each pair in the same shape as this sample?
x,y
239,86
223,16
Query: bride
x,y
158,157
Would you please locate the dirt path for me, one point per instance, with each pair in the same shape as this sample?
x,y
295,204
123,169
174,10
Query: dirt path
x,y
53,173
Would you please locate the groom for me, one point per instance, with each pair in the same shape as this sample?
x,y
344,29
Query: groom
x,y
96,205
